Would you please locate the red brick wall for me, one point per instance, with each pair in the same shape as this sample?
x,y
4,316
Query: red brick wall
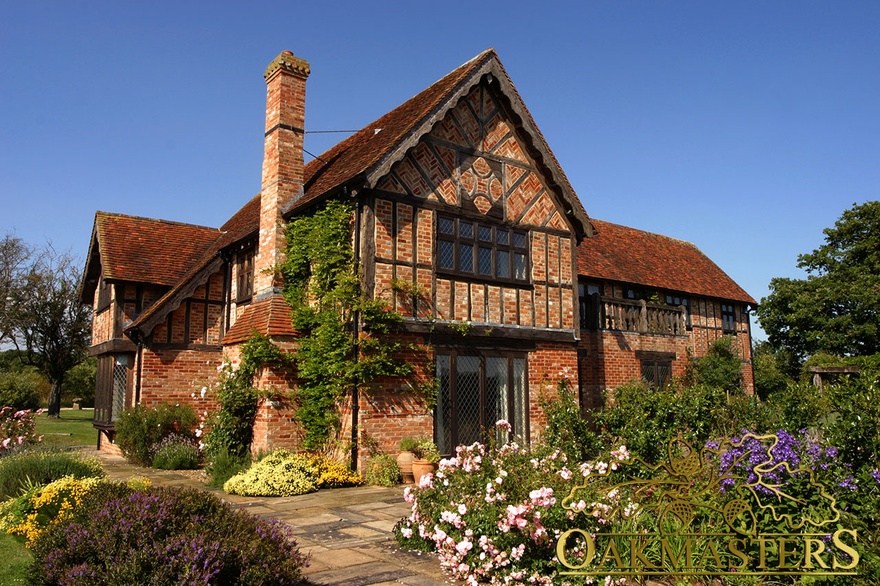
x,y
611,358
275,425
390,409
549,364
177,376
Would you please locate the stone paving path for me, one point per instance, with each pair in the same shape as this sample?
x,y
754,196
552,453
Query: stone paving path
x,y
346,530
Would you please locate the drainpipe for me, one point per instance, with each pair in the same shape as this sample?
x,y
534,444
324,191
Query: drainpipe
x,y
140,370
746,310
227,292
355,395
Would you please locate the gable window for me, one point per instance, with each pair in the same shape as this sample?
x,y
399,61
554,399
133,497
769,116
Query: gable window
x,y
244,274
476,390
481,250
728,318
677,301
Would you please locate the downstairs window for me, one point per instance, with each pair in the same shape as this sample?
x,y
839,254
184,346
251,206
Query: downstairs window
x,y
476,389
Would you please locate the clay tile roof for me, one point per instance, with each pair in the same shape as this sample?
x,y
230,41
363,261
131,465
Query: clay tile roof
x,y
627,255
242,224
364,149
149,251
270,317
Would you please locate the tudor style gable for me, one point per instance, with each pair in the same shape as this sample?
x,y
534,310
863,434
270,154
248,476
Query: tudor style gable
x,y
470,218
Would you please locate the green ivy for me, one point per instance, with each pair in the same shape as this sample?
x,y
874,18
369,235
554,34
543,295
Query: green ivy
x,y
232,428
324,293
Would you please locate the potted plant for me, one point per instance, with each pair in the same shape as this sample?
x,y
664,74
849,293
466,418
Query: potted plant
x,y
426,458
408,446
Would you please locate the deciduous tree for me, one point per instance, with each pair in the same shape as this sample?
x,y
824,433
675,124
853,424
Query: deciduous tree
x,y
13,255
43,317
836,308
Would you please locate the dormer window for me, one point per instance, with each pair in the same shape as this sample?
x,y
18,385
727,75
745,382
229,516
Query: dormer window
x,y
244,274
482,250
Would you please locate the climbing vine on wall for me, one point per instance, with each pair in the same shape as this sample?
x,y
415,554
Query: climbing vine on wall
x,y
232,427
328,308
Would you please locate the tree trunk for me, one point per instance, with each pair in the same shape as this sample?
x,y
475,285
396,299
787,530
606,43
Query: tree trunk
x,y
55,399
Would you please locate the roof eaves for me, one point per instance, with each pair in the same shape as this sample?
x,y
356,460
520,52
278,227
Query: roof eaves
x,y
485,64
169,302
481,64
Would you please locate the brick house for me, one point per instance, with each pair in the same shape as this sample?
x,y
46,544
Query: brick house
x,y
456,191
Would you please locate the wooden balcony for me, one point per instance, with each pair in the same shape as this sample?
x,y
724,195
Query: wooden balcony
x,y
606,313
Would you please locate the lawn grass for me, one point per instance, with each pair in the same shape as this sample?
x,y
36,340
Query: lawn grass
x,y
13,561
72,429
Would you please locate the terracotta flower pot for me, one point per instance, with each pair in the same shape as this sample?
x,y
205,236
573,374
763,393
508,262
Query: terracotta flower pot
x,y
405,462
422,467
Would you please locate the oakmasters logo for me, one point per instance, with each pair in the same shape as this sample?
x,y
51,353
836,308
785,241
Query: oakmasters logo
x,y
746,507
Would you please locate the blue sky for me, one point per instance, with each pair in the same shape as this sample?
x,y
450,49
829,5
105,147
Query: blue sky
x,y
744,127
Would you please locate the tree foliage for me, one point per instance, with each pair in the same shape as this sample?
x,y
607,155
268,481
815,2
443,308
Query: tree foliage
x,y
774,369
14,253
836,308
40,312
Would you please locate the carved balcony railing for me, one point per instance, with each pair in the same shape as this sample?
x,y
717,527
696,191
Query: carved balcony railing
x,y
606,313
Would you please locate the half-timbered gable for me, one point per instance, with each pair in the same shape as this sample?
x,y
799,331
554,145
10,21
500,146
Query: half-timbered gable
x,y
466,216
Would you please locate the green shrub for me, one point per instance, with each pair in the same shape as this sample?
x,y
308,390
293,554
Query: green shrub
x,y
20,390
232,427
641,417
278,474
223,465
42,467
79,382
140,428
854,423
798,406
566,428
164,536
720,368
382,470
645,418
426,450
408,444
177,452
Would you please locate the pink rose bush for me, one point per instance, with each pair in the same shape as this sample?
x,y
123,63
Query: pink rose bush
x,y
492,513
17,429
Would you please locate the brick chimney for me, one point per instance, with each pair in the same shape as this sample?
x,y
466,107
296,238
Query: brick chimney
x,y
282,163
